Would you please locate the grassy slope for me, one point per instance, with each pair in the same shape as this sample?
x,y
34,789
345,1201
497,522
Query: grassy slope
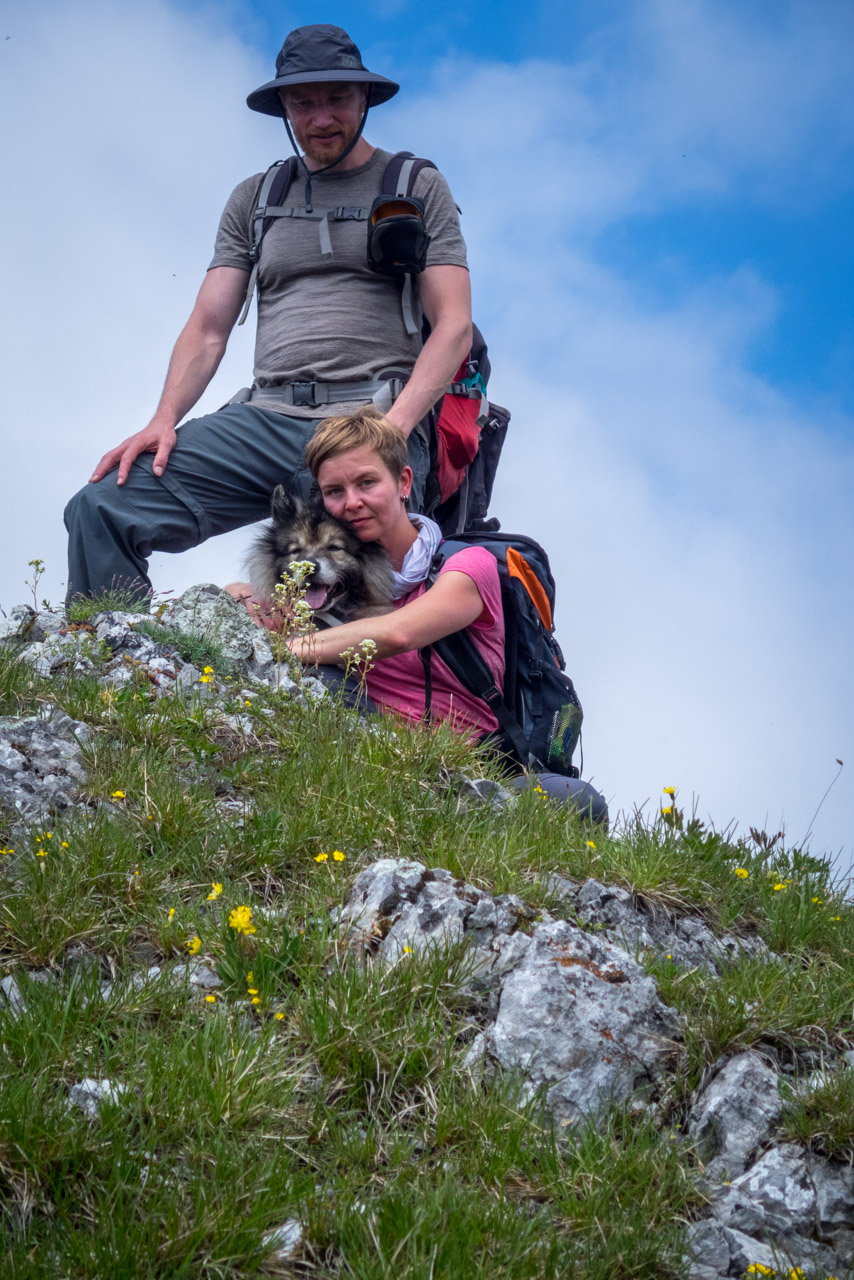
x,y
319,1088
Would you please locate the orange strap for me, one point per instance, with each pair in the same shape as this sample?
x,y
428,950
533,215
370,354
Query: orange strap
x,y
518,567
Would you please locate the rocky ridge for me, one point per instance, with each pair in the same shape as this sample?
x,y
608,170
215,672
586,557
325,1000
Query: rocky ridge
x,y
561,998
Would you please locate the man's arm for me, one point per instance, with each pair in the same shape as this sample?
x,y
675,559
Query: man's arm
x,y
445,293
195,359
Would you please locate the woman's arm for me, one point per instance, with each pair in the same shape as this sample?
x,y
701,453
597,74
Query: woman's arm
x,y
451,604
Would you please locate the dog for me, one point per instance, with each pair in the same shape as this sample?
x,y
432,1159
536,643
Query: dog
x,y
350,579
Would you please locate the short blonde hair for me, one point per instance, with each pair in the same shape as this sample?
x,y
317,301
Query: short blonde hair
x,y
366,428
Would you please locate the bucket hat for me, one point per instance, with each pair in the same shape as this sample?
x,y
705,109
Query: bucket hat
x,y
316,55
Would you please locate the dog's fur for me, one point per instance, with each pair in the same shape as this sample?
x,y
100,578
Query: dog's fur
x,y
351,579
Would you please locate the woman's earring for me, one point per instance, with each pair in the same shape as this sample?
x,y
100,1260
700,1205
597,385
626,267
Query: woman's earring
x,y
405,499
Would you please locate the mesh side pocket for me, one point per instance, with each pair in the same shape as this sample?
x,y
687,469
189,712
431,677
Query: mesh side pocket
x,y
563,739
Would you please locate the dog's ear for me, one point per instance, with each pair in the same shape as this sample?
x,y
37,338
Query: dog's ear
x,y
316,509
283,507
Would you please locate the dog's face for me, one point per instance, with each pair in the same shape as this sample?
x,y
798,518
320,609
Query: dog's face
x,y
350,578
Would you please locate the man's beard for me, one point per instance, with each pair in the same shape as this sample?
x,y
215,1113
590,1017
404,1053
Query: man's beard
x,y
321,153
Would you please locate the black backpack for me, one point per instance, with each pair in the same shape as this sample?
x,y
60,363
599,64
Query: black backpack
x,y
538,711
398,246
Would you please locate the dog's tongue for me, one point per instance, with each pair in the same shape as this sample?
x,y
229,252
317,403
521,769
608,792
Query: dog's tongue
x,y
315,597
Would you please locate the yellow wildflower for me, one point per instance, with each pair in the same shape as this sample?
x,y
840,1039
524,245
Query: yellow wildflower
x,y
742,873
252,991
194,944
278,1016
591,844
118,795
407,949
41,852
211,999
208,671
256,999
777,887
48,835
339,856
171,914
759,1269
322,857
247,703
796,1273
250,977
669,791
63,844
818,900
241,920
667,810
216,890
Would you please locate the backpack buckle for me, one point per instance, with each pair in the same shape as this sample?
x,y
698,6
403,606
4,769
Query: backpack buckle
x,y
492,695
303,393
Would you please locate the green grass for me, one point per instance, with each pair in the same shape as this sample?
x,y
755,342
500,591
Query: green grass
x,y
335,1093
116,600
199,649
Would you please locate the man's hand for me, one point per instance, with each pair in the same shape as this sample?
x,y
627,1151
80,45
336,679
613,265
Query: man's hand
x,y
152,439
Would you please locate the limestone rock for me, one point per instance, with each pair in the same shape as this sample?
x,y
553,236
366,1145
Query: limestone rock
x,y
834,1195
775,1198
579,1016
399,905
709,1248
196,974
17,624
41,764
208,611
638,925
734,1113
284,1241
11,996
90,1095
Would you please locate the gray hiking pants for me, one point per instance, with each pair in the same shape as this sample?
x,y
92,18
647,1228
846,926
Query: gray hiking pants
x,y
219,476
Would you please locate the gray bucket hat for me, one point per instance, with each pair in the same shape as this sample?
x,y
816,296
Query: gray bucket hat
x,y
315,55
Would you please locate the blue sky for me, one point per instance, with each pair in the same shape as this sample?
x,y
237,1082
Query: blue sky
x,y
657,202
797,235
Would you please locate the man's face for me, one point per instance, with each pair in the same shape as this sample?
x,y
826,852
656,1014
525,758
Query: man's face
x,y
324,117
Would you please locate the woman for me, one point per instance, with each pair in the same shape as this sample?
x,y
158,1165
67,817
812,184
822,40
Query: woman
x,y
360,465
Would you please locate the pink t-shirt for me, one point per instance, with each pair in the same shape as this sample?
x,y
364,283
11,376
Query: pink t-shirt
x,y
397,683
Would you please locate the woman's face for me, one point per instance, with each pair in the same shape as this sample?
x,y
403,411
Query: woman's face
x,y
358,488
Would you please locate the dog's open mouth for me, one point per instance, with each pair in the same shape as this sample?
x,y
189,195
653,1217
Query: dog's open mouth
x,y
319,596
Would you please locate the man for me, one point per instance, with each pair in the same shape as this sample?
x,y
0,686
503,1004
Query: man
x,y
328,327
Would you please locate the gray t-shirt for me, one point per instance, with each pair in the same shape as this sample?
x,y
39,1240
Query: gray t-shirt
x,y
332,319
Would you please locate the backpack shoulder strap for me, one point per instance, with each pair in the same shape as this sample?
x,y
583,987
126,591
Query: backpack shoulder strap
x,y
401,171
274,187
398,179
464,660
462,657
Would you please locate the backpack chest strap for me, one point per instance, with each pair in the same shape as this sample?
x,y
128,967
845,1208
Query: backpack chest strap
x,y
341,213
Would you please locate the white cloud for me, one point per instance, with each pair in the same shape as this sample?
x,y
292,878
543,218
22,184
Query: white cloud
x,y
698,522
